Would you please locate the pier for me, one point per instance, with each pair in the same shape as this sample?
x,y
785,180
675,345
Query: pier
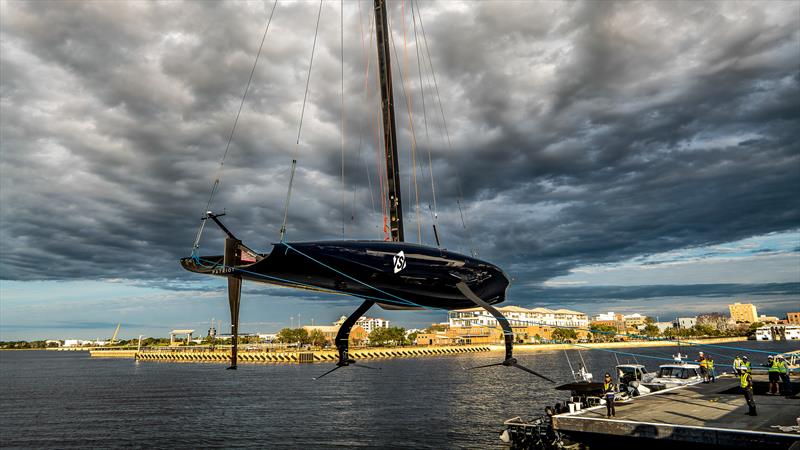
x,y
704,415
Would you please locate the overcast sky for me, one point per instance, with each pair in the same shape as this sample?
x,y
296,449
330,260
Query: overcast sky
x,y
635,157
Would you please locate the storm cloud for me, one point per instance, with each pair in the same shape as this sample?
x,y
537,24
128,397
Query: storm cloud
x,y
582,133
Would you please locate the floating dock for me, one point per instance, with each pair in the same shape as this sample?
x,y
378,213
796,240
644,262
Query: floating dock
x,y
705,415
201,355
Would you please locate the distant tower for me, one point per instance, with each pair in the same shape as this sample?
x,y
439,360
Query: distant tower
x,y
212,332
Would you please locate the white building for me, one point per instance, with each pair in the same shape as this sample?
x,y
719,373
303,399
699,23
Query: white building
x,y
778,332
686,322
602,317
367,323
518,316
77,343
663,326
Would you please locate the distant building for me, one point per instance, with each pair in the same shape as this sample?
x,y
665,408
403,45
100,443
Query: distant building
x,y
767,319
685,322
610,319
357,334
743,312
635,320
367,323
605,317
793,318
663,326
267,337
519,317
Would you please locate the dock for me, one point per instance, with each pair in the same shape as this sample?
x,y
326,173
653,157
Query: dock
x,y
705,415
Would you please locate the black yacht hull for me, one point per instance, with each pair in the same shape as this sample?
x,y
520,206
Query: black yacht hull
x,y
396,275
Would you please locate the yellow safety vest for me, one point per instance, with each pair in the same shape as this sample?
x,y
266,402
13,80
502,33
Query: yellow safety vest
x,y
710,364
744,381
775,367
781,367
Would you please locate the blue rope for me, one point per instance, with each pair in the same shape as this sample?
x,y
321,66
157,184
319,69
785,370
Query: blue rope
x,y
354,279
296,283
527,322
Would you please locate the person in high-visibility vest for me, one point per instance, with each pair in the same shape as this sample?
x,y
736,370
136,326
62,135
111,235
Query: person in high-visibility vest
x,y
773,370
746,383
608,393
710,366
745,363
703,367
783,373
738,365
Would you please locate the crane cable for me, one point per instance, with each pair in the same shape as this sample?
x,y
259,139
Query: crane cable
x,y
215,186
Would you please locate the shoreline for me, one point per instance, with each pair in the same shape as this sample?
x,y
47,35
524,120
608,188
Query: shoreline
x,y
532,348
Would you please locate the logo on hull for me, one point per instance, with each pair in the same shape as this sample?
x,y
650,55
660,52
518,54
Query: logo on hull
x,y
399,261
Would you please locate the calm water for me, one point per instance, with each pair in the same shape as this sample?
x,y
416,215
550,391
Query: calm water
x,y
65,399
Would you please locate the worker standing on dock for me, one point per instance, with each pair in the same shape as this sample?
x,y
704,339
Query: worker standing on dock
x,y
710,365
703,366
746,382
783,372
608,392
774,375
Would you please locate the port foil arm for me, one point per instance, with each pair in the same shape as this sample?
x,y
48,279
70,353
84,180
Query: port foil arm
x,y
508,334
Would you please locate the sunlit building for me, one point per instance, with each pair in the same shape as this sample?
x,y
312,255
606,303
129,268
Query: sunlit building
x,y
743,312
518,316
367,323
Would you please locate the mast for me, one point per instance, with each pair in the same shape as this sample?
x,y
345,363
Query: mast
x,y
389,137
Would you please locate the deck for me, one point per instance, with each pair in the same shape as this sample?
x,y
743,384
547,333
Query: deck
x,y
701,415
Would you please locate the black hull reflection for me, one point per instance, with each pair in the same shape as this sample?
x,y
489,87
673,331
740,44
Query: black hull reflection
x,y
396,275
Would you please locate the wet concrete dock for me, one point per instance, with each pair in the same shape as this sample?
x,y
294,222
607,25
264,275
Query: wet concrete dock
x,y
703,415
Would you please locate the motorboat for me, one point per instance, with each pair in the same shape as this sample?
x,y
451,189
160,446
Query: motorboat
x,y
678,374
636,380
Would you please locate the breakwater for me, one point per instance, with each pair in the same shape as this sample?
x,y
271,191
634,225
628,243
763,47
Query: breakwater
x,y
223,355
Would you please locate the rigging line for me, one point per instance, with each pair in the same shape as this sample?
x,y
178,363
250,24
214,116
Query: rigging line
x,y
571,370
473,251
364,160
341,44
308,79
444,124
360,156
413,135
215,186
425,116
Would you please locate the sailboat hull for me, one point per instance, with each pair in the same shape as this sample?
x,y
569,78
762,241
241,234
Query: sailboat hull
x,y
396,275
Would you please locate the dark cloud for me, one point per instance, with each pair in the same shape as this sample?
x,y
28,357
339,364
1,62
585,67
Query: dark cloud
x,y
582,133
